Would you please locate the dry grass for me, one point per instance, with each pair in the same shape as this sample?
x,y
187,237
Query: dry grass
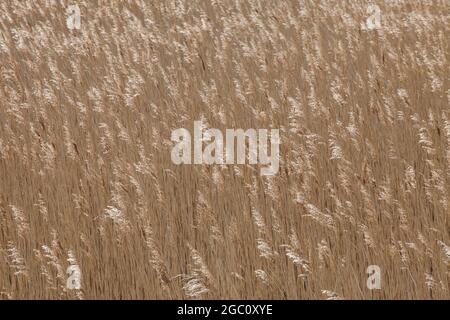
x,y
86,176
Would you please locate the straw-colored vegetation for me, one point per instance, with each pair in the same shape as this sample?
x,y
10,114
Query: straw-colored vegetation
x,y
86,177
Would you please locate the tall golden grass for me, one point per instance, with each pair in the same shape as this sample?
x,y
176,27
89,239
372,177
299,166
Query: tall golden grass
x,y
86,177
